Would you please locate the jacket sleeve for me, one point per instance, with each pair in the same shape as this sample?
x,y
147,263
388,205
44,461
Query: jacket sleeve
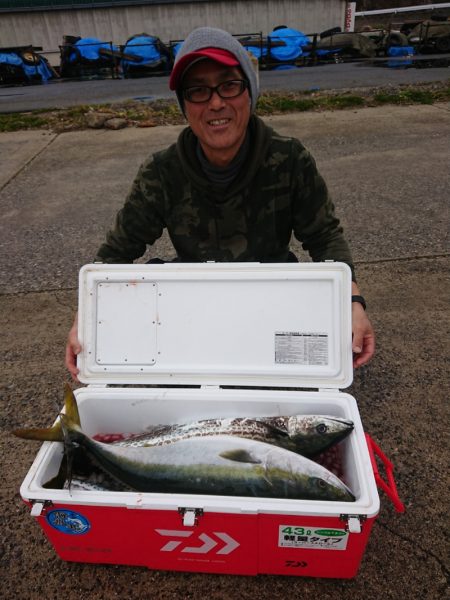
x,y
315,224
140,221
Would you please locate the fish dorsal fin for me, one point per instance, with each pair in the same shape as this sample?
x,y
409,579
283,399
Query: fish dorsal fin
x,y
239,455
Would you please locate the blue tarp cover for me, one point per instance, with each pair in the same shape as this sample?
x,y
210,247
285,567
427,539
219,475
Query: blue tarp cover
x,y
10,58
257,51
89,49
42,69
176,48
30,71
294,42
401,51
145,47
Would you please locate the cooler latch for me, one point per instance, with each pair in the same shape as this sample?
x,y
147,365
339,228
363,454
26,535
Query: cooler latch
x,y
353,523
40,507
190,515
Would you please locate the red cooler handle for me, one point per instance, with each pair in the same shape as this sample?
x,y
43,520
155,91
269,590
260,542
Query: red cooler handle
x,y
389,488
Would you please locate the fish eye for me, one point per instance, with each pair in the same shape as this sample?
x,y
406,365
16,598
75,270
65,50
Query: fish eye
x,y
319,483
321,428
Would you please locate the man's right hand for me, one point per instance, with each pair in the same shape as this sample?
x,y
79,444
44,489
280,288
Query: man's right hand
x,y
73,348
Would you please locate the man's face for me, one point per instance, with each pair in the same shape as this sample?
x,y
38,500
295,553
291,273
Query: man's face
x,y
220,124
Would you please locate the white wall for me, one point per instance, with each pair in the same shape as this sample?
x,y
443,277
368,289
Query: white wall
x,y
166,21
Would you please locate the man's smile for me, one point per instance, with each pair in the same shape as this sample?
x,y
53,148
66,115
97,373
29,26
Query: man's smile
x,y
218,122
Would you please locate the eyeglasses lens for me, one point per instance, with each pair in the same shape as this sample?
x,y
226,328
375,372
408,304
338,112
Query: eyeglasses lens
x,y
203,93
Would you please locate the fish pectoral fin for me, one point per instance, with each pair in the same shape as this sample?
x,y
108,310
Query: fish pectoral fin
x,y
279,430
239,455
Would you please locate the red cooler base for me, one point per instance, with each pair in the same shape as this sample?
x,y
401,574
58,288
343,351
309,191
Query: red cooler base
x,y
218,542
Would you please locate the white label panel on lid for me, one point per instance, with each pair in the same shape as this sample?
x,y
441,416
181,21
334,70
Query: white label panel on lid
x,y
217,324
126,323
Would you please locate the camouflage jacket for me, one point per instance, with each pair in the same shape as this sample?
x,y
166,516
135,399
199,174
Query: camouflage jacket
x,y
277,192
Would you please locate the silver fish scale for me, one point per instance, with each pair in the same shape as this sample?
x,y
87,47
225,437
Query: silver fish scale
x,y
244,427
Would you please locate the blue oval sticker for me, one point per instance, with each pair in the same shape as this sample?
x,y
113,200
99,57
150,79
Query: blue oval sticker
x,y
68,521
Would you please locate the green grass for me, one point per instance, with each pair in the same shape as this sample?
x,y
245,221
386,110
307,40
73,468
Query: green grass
x,y
167,112
20,121
413,96
272,103
268,104
405,97
343,102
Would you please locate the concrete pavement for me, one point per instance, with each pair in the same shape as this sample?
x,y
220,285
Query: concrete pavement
x,y
387,169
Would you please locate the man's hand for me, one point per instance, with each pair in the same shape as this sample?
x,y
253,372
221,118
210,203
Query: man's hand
x,y
363,342
73,348
363,339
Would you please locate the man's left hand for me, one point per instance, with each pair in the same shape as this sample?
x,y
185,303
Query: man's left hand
x,y
363,342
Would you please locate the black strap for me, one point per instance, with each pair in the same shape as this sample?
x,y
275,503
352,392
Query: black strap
x,y
361,301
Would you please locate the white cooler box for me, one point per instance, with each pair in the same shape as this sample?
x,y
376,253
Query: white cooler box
x,y
168,338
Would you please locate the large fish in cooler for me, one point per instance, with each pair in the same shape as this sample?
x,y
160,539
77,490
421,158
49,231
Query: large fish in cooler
x,y
308,435
206,464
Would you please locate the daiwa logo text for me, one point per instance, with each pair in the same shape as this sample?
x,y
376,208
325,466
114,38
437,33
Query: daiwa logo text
x,y
208,543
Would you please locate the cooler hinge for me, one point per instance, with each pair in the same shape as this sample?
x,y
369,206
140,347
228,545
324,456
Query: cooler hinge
x,y
190,515
328,390
353,523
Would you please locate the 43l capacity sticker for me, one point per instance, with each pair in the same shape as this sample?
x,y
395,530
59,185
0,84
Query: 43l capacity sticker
x,y
322,538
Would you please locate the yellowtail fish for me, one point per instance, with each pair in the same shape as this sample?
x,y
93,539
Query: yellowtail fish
x,y
215,464
308,435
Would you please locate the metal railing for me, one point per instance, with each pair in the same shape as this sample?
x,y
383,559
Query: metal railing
x,y
386,11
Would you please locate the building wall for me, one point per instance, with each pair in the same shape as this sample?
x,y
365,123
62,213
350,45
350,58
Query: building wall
x,y
167,21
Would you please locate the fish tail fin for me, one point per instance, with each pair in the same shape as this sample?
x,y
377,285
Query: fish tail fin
x,y
51,434
71,406
55,433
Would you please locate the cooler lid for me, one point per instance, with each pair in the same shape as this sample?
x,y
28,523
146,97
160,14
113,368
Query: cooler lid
x,y
240,324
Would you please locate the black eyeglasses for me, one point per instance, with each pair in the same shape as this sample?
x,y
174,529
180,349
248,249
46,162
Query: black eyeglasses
x,y
227,89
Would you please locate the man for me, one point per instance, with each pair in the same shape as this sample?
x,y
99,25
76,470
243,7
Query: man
x,y
230,189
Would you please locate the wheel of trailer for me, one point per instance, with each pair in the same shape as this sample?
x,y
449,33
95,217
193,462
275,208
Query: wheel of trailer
x,y
443,44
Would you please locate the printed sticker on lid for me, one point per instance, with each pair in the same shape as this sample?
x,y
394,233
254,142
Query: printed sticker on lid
x,y
294,347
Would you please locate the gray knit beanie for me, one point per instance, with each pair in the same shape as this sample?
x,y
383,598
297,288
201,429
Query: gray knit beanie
x,y
209,37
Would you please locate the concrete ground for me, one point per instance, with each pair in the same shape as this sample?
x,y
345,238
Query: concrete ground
x,y
387,169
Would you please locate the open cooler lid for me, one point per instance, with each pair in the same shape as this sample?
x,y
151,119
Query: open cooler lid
x,y
240,324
